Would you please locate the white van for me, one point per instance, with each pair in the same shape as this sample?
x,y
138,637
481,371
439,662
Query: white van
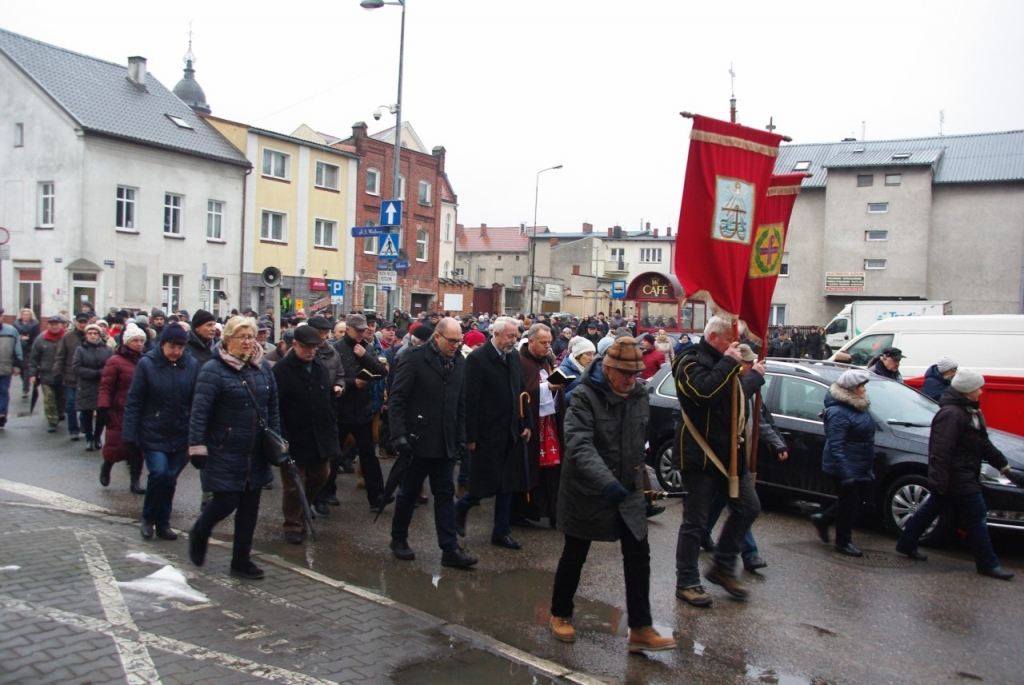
x,y
991,344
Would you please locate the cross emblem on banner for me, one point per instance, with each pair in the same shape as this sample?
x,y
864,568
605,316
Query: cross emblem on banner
x,y
766,257
769,251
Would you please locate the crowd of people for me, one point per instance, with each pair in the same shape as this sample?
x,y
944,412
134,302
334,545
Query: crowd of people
x,y
549,418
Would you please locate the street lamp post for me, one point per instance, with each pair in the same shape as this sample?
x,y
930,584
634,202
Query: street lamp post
x,y
396,110
533,242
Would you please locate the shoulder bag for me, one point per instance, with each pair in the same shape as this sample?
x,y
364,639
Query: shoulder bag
x,y
275,447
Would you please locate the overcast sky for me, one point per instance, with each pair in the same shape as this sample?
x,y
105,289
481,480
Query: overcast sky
x,y
510,87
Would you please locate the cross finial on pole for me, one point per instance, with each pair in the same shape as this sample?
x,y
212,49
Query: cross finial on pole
x,y
771,126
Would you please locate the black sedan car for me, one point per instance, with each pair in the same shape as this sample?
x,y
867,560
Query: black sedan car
x,y
794,392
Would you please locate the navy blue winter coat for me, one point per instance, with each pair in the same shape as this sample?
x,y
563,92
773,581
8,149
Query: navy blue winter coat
x,y
849,436
224,426
156,413
934,383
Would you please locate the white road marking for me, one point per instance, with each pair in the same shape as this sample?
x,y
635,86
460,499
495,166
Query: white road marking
x,y
135,658
55,499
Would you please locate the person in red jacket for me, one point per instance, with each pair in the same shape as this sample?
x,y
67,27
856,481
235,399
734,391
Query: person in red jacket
x,y
114,385
653,357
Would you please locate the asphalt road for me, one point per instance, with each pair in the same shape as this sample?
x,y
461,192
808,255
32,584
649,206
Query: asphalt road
x,y
814,617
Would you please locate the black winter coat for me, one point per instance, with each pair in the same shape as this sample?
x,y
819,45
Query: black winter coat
x,y
783,349
201,351
156,414
497,465
957,445
935,383
307,409
425,404
88,365
849,451
356,404
41,361
224,425
704,379
64,364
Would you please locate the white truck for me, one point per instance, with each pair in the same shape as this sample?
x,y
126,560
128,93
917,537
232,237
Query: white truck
x,y
856,317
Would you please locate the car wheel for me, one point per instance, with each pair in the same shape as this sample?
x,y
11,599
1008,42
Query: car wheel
x,y
903,498
667,469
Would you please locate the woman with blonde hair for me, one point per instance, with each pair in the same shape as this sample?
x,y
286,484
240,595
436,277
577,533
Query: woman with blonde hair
x,y
665,344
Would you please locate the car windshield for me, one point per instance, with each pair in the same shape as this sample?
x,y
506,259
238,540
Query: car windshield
x,y
895,402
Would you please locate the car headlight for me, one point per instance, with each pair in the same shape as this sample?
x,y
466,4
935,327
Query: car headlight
x,y
990,475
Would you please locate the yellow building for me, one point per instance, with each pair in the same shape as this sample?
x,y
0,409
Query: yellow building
x,y
299,210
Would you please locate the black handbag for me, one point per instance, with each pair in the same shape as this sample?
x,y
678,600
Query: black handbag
x,y
275,447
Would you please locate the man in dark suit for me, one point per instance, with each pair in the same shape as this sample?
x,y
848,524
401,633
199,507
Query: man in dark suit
x,y
494,382
427,410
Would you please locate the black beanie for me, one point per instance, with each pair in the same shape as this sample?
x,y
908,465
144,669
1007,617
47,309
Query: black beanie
x,y
423,332
200,317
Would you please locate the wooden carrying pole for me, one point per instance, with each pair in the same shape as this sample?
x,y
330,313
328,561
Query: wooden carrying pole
x,y
734,479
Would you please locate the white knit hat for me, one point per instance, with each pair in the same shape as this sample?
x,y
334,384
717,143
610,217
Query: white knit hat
x,y
945,364
131,332
966,381
579,345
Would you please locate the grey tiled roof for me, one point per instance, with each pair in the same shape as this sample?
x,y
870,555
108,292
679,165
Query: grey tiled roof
x,y
972,158
99,96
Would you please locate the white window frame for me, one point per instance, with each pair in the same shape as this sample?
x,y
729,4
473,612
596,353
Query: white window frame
x,y
422,240
448,227
884,236
374,188
174,215
424,193
215,220
269,154
874,264
125,209
802,165
322,226
447,269
267,230
784,266
170,293
47,203
878,208
893,179
371,289
517,281
401,187
370,241
19,135
777,316
650,255
321,176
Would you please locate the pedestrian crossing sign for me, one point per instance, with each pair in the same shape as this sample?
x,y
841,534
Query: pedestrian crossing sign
x,y
388,246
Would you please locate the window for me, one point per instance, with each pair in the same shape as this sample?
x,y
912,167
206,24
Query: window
x,y
214,220
901,155
459,273
275,164
876,264
369,295
447,269
47,199
499,276
867,347
421,246
401,187
878,207
125,214
448,227
372,182
650,254
325,233
327,176
517,281
179,122
802,166
865,180
172,214
19,135
893,179
370,241
481,276
171,294
876,236
273,227
618,258
424,197
778,315
801,399
30,291
784,266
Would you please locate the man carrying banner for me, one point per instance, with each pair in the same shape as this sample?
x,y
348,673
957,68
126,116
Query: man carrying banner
x,y
705,375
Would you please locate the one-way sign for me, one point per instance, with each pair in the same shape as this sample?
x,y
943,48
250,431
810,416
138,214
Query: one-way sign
x,y
391,213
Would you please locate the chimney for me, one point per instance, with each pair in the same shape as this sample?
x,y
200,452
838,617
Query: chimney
x,y
439,152
668,231
459,230
137,71
655,230
609,231
553,242
617,232
588,228
575,269
649,227
359,130
522,228
483,230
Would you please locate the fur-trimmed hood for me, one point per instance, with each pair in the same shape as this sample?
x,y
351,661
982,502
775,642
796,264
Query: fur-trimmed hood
x,y
838,393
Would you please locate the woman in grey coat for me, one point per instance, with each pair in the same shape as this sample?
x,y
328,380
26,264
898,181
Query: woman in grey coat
x,y
88,363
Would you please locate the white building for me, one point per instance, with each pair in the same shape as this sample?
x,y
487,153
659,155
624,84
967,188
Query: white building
x,y
114,191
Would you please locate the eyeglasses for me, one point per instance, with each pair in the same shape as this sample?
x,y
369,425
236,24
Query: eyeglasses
x,y
628,374
243,338
452,341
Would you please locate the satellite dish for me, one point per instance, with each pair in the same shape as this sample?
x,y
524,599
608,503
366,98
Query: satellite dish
x,y
271,277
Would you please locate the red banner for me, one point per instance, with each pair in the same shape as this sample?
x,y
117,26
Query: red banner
x,y
772,224
727,175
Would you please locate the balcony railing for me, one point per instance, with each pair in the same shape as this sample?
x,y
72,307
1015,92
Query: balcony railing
x,y
616,266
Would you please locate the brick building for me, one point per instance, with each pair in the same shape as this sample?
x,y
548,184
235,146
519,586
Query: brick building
x,y
427,194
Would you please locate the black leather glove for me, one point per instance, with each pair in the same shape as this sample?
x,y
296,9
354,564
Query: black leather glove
x,y
615,493
198,461
1015,477
401,445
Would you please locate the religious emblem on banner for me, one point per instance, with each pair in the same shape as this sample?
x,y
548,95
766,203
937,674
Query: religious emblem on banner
x,y
766,257
734,210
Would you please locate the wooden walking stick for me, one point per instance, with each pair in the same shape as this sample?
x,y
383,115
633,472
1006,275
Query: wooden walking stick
x,y
734,479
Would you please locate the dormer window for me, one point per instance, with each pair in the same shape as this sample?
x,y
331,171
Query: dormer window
x,y
179,122
802,166
901,155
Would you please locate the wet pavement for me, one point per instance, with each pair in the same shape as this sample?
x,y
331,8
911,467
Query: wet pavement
x,y
814,616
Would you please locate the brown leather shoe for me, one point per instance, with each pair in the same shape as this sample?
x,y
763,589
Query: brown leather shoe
x,y
562,629
733,586
647,639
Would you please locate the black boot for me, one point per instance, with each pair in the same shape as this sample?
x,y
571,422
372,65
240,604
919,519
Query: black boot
x,y
105,472
136,487
90,444
135,469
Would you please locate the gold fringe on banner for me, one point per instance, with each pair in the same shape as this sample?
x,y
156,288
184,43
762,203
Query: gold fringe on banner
x,y
784,190
733,141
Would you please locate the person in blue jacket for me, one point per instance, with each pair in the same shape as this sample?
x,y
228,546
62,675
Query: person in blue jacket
x,y
156,418
848,455
578,356
226,442
938,377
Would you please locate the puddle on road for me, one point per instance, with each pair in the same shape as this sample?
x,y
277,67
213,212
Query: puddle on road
x,y
469,668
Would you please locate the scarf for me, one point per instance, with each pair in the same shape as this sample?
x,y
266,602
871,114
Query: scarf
x,y
447,363
53,337
128,353
576,365
238,361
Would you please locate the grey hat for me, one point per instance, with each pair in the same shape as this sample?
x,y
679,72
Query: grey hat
x,y
747,353
946,364
967,381
853,378
356,321
56,318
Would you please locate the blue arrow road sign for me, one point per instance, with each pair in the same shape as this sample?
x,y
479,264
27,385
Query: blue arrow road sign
x,y
364,231
391,213
388,246
337,288
401,266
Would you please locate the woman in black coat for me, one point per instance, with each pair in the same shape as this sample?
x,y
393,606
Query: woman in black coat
x,y
28,330
88,363
225,441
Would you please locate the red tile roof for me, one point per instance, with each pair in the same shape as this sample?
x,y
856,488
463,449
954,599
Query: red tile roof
x,y
496,239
